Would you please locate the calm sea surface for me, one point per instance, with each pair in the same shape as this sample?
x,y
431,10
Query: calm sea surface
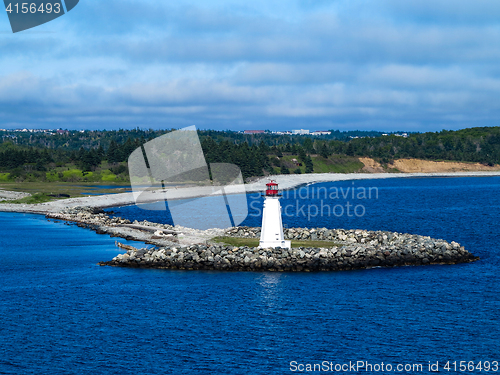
x,y
63,314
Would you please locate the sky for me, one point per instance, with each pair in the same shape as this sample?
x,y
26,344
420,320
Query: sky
x,y
389,65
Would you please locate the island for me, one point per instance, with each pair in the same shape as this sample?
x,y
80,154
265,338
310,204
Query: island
x,y
181,248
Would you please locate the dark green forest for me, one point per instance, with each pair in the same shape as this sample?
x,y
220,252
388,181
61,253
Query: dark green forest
x,y
102,155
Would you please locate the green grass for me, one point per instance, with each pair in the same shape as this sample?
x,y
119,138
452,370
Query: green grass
x,y
236,241
333,164
88,176
254,242
74,189
68,173
72,173
51,176
34,199
108,176
336,164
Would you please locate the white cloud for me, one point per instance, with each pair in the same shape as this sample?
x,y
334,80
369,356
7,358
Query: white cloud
x,y
351,63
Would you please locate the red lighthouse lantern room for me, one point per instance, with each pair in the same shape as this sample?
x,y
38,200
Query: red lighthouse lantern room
x,y
272,189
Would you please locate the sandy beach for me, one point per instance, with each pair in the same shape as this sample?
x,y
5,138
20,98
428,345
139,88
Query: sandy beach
x,y
284,181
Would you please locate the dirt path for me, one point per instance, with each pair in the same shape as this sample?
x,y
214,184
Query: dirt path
x,y
12,195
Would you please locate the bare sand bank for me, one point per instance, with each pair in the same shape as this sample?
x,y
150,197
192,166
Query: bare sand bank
x,y
81,210
284,181
412,165
426,166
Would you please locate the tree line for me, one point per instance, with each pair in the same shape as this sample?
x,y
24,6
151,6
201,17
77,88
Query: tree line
x,y
254,154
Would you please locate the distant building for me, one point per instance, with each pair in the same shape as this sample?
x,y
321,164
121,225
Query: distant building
x,y
254,132
321,132
300,131
404,135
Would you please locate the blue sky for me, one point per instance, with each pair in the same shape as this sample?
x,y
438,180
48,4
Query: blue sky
x,y
416,65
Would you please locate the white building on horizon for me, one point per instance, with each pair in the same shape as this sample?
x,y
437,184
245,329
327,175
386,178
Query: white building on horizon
x,y
321,132
300,131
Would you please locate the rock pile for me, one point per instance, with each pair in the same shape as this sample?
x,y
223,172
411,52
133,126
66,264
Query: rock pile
x,y
100,221
357,249
146,231
87,215
343,236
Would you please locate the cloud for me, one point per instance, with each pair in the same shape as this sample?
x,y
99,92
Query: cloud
x,y
444,12
391,65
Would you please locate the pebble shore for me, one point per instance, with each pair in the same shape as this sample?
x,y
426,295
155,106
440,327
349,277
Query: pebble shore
x,y
356,249
144,231
182,248
187,248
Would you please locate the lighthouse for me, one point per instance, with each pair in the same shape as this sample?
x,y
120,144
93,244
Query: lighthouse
x,y
271,234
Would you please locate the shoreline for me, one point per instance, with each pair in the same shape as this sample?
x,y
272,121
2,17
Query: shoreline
x,y
87,213
286,182
353,250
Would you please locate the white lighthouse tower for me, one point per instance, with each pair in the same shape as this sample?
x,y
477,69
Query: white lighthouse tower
x,y
271,234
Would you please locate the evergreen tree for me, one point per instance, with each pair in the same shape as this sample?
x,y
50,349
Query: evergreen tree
x,y
113,154
324,151
350,150
309,165
284,169
309,145
302,154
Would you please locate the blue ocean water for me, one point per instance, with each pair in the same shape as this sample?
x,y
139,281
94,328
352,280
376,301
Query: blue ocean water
x,y
63,314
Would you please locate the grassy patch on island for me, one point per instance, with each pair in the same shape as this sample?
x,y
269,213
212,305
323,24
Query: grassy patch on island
x,y
254,242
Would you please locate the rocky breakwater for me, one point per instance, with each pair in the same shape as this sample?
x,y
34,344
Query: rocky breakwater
x,y
356,249
145,231
102,223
